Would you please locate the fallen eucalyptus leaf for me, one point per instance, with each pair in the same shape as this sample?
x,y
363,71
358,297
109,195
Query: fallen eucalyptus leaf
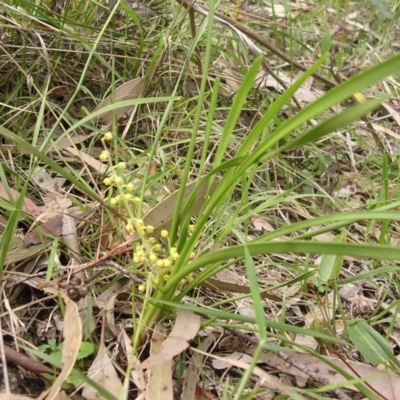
x,y
127,91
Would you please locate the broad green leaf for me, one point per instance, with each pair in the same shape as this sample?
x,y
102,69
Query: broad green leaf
x,y
331,264
374,348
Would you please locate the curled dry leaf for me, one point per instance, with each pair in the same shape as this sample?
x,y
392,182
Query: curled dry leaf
x,y
102,372
159,385
385,383
53,227
72,342
127,91
161,215
186,326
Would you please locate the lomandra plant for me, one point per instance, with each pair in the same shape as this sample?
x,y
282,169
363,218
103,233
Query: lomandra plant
x,y
226,176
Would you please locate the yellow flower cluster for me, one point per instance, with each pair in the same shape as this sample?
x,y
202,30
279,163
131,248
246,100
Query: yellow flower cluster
x,y
158,258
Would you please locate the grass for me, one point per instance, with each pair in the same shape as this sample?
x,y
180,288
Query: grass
x,y
215,172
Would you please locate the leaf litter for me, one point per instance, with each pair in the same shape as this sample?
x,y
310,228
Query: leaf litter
x,y
161,215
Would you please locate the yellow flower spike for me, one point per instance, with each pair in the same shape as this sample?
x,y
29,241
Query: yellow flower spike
x,y
107,181
140,223
153,258
155,279
182,282
108,136
160,263
118,181
192,255
174,256
141,288
191,228
104,156
130,187
152,240
129,228
121,165
167,263
166,277
149,229
164,233
173,250
189,278
136,259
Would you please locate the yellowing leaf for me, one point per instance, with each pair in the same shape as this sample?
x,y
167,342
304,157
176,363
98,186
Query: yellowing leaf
x,y
127,91
161,215
159,386
186,326
102,372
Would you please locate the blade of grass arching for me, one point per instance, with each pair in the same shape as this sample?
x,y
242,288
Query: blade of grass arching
x,y
335,221
336,122
289,246
237,109
244,319
334,96
361,276
111,107
209,23
276,106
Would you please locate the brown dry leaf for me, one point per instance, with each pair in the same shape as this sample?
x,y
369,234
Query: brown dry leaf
x,y
45,181
53,227
161,215
86,159
159,386
266,380
102,372
186,326
384,383
69,141
106,301
19,252
28,206
303,94
72,342
127,91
